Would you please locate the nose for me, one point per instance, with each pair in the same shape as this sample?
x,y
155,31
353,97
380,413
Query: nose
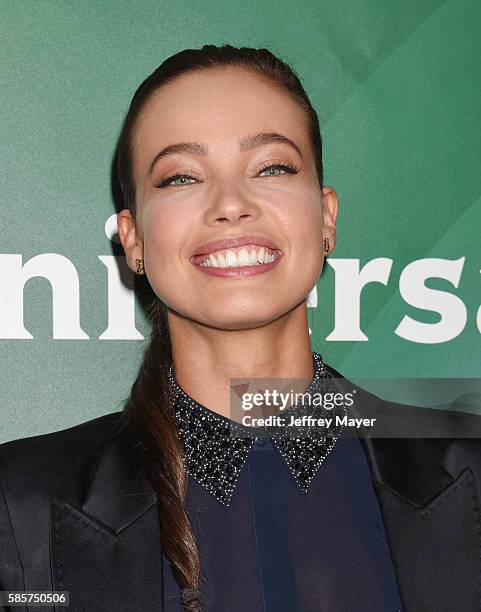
x,y
230,205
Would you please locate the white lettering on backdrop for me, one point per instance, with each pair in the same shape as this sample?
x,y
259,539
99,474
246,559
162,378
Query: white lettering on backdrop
x,y
350,280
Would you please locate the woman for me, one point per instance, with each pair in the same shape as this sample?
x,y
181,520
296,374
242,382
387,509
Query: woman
x,y
169,505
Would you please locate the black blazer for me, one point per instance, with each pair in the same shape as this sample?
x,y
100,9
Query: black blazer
x,y
78,515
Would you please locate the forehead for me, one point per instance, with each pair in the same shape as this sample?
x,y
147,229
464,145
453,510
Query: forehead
x,y
217,107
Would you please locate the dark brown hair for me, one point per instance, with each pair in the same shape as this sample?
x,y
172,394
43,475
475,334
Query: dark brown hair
x,y
149,405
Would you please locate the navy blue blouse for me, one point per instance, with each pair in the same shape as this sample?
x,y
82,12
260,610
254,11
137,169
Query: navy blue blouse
x,y
280,547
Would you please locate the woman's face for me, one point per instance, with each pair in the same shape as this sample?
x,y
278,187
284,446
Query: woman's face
x,y
266,189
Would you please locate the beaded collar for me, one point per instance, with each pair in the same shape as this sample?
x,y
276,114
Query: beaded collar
x,y
216,448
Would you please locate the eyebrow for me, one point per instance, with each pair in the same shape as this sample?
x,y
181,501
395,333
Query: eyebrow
x,y
245,144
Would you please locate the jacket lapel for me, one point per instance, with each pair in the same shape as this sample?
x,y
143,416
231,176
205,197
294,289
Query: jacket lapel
x,y
431,511
107,553
433,532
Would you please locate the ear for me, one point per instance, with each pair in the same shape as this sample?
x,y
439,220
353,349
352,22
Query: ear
x,y
330,206
130,238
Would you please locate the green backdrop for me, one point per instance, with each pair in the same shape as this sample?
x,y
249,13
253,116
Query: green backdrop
x,y
397,85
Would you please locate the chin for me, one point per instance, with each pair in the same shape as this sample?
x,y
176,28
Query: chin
x,y
238,324
237,319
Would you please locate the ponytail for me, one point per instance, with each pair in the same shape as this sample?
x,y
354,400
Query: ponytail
x,y
153,419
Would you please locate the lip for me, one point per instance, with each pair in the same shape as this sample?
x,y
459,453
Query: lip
x,y
240,271
228,243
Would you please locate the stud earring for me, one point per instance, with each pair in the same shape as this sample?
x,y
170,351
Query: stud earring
x,y
326,245
140,265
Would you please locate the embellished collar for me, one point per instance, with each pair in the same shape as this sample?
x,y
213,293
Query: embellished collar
x,y
216,448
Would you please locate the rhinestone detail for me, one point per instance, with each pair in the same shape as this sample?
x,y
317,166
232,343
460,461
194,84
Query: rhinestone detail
x,y
215,448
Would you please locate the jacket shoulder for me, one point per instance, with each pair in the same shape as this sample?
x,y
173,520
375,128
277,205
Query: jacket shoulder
x,y
60,462
453,430
65,441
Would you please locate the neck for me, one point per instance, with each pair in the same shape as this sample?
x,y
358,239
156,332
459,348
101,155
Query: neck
x,y
206,359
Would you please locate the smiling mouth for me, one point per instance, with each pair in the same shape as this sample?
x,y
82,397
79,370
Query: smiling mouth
x,y
238,257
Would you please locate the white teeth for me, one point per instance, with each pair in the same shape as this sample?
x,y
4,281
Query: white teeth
x,y
230,259
243,258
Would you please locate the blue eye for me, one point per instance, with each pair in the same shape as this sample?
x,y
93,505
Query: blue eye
x,y
286,167
176,177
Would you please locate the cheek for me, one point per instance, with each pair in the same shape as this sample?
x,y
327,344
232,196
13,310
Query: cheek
x,y
164,235
165,229
301,224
